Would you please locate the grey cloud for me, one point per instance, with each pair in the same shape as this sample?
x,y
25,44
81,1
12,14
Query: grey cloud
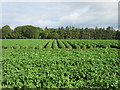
x,y
83,14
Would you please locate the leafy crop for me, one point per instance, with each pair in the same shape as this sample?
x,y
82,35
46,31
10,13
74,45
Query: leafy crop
x,y
60,43
60,68
39,63
54,45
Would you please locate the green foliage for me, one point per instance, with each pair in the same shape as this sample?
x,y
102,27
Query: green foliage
x,y
6,32
27,65
49,45
43,35
24,43
67,45
59,43
60,68
54,45
68,32
53,36
27,31
74,45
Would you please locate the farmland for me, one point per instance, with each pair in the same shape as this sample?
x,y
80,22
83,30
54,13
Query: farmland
x,y
60,63
59,43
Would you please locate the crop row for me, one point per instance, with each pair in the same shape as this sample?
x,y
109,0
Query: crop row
x,y
73,68
60,43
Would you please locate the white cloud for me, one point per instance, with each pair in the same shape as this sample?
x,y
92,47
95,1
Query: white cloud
x,y
41,14
75,19
0,15
72,17
59,0
46,23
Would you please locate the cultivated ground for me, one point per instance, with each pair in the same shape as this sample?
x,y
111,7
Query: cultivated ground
x,y
51,63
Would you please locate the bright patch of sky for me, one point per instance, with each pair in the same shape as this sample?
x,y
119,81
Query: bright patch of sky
x,y
55,14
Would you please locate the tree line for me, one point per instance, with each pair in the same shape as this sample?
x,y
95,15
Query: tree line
x,y
68,32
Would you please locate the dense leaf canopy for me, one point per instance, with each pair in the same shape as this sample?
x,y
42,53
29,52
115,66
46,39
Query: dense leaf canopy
x,y
29,31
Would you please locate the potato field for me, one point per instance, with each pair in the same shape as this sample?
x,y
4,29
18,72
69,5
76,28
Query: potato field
x,y
60,63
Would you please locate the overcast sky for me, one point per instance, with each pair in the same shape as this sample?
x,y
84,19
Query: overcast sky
x,y
55,14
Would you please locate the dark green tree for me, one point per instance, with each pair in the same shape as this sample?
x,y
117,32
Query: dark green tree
x,y
53,36
43,34
68,32
27,31
6,32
